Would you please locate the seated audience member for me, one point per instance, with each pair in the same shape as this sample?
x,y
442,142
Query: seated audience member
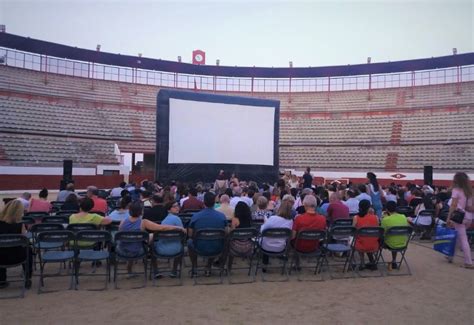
x,y
363,193
424,220
25,200
237,196
170,247
10,223
100,205
221,183
271,203
225,207
391,195
242,219
145,198
294,182
336,209
135,223
71,203
158,210
192,203
117,191
41,204
85,216
262,214
247,196
416,198
310,220
254,206
206,218
352,203
394,219
401,201
62,195
291,199
122,212
366,244
283,219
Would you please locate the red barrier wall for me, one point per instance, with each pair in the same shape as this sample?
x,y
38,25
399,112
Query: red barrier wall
x,y
37,182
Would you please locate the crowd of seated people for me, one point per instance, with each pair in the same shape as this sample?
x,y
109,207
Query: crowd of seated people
x,y
152,207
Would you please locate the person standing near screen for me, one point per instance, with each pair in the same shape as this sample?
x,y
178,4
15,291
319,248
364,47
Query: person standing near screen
x,y
307,178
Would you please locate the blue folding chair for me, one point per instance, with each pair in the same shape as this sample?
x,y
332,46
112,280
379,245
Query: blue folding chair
x,y
331,248
84,245
169,236
283,234
368,232
139,238
66,254
206,235
399,231
241,237
308,236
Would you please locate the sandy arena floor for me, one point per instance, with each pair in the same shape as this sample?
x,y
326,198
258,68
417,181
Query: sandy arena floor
x,y
436,293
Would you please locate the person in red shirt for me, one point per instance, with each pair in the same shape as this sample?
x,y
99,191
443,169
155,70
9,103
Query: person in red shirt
x,y
192,202
310,220
336,209
368,245
100,205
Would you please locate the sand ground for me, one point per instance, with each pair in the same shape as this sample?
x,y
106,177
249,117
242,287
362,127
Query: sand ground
x,y
436,293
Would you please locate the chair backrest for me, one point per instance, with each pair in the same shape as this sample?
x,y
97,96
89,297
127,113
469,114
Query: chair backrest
x,y
191,211
406,210
66,212
209,234
40,227
28,220
243,233
283,233
93,236
169,234
399,231
56,236
56,219
131,236
342,222
185,218
310,234
426,213
37,215
75,227
13,240
370,232
343,231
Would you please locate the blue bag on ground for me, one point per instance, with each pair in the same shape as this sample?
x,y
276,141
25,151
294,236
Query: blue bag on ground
x,y
445,240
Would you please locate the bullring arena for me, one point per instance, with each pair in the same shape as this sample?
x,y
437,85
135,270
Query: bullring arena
x,y
97,111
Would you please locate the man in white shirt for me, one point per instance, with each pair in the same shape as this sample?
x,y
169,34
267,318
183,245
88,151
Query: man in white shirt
x,y
117,191
225,208
25,200
237,191
352,203
363,193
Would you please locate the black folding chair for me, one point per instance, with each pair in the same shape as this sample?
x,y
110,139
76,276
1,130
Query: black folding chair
x,y
56,219
185,218
66,254
37,216
243,237
131,237
11,241
175,236
342,222
191,211
76,227
65,213
91,239
37,245
406,210
418,228
337,248
56,205
308,235
28,222
368,232
283,234
209,235
399,231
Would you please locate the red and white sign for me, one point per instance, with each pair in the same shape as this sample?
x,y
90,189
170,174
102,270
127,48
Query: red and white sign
x,y
398,176
199,57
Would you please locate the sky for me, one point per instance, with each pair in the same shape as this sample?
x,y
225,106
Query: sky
x,y
252,33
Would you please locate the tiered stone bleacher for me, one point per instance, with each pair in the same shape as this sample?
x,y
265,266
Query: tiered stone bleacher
x,y
31,150
335,131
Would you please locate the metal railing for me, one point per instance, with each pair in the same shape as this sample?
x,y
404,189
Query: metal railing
x,y
91,70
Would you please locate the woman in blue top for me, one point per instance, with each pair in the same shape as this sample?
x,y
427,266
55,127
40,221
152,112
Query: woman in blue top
x,y
122,212
170,247
135,223
375,194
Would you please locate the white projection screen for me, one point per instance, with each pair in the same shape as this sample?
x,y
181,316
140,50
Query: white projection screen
x,y
198,134
220,133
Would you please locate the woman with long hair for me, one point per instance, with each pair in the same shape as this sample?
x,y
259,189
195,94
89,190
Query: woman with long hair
x,y
10,223
375,194
462,201
368,245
